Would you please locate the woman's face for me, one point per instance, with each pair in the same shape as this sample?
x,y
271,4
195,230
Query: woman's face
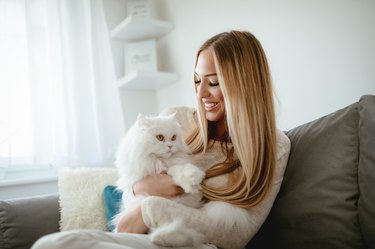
x,y
208,88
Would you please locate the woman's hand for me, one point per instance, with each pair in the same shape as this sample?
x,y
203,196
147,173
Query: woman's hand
x,y
132,222
157,185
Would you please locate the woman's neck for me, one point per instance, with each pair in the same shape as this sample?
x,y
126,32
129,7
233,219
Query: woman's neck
x,y
218,131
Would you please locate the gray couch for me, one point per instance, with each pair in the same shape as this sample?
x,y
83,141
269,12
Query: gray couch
x,y
327,198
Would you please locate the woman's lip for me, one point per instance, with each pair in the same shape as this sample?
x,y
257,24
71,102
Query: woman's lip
x,y
209,106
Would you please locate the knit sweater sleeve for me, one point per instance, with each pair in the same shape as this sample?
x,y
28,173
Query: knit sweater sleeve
x,y
157,211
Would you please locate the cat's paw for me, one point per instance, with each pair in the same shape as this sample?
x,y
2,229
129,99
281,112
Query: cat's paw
x,y
162,238
170,238
176,234
188,177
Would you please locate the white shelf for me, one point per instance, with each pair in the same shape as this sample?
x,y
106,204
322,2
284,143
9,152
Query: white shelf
x,y
146,80
135,29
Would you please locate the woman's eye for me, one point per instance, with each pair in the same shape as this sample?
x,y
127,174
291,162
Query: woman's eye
x,y
160,137
213,83
197,80
173,138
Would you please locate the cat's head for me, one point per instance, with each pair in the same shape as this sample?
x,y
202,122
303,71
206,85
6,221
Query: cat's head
x,y
161,135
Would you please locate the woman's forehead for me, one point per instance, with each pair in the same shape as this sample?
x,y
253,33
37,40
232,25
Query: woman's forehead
x,y
205,65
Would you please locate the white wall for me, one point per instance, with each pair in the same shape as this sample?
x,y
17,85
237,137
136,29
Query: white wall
x,y
28,182
132,101
321,53
28,189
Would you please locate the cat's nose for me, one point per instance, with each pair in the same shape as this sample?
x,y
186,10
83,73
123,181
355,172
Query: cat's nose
x,y
170,146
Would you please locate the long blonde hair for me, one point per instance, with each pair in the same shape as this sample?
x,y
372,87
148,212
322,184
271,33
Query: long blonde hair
x,y
245,82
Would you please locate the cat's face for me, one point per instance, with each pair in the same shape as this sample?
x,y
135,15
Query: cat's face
x,y
161,136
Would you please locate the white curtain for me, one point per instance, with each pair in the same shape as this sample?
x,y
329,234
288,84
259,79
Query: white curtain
x,y
59,103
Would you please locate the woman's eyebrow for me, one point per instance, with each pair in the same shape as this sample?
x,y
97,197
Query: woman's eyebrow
x,y
207,75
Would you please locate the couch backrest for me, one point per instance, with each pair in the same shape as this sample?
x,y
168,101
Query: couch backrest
x,y
366,169
325,199
24,220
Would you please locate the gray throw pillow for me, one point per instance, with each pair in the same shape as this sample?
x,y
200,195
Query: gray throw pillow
x,y
366,169
317,206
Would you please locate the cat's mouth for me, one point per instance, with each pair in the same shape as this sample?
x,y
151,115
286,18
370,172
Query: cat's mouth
x,y
165,155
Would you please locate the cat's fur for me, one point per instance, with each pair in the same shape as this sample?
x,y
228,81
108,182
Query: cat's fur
x,y
153,145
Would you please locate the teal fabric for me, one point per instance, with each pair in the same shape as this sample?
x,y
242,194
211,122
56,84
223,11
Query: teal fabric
x,y
112,203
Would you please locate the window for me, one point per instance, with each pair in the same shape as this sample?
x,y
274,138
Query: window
x,y
59,104
16,135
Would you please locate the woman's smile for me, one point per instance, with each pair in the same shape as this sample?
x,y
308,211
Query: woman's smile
x,y
210,106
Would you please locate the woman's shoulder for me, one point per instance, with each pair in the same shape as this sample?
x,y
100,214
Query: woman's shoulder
x,y
282,138
283,144
180,110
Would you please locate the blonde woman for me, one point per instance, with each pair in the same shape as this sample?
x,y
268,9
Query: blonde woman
x,y
235,140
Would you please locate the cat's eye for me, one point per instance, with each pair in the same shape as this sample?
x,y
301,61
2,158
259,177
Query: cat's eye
x,y
173,138
160,137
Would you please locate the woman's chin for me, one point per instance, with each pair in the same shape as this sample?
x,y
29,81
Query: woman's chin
x,y
214,117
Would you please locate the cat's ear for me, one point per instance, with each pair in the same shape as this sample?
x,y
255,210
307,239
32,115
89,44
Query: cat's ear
x,y
142,121
173,115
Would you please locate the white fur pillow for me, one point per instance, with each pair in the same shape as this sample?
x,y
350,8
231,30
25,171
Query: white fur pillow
x,y
81,197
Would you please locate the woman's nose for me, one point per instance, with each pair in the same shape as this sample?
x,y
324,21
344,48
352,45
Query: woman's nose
x,y
202,91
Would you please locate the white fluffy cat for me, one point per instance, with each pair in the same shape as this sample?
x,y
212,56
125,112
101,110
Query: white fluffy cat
x,y
153,145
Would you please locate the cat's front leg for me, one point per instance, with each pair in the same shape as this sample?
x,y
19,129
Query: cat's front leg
x,y
187,176
176,234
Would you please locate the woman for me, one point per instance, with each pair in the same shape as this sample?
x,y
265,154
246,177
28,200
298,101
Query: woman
x,y
237,143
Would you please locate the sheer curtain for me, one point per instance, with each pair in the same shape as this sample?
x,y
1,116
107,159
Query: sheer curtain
x,y
59,103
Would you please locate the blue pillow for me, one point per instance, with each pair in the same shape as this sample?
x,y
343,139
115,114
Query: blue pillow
x,y
112,204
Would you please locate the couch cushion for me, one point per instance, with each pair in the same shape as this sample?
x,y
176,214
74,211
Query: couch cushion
x,y
366,169
317,203
18,228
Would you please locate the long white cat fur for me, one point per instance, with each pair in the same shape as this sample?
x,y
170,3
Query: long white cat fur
x,y
153,145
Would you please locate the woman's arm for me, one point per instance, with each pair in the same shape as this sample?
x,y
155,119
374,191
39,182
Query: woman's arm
x,y
153,185
157,185
132,222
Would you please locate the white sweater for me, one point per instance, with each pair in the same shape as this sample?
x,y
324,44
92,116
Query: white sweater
x,y
157,211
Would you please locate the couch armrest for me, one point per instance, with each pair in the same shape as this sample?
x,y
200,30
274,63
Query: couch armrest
x,y
24,220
